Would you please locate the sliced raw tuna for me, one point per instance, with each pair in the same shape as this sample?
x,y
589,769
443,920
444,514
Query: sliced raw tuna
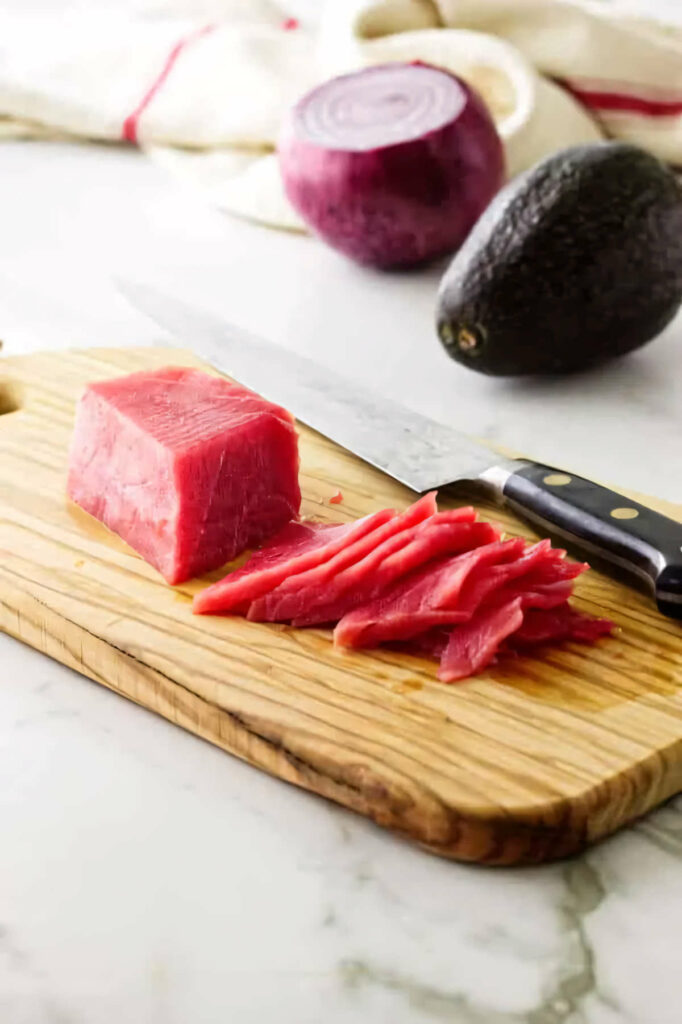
x,y
441,534
451,590
296,548
430,644
548,584
586,629
549,596
319,575
513,619
474,645
560,623
539,626
465,610
422,600
545,587
189,469
539,558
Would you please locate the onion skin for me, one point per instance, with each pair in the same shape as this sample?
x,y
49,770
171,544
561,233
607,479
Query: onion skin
x,y
400,204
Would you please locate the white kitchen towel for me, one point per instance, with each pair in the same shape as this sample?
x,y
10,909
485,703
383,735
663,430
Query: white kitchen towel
x,y
105,75
206,97
624,69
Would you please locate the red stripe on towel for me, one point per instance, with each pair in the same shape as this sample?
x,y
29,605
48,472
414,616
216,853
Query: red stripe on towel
x,y
129,131
631,103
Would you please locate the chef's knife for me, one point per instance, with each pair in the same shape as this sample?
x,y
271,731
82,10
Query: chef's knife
x,y
425,455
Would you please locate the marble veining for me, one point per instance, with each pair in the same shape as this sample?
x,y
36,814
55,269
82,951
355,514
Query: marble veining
x,y
149,877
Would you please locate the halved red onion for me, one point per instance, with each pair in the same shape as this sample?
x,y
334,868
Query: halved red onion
x,y
392,165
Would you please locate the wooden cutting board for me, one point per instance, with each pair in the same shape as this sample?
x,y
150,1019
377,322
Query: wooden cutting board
x,y
532,761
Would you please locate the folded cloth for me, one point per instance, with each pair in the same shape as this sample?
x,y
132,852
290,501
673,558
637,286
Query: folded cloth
x,y
624,69
206,98
118,77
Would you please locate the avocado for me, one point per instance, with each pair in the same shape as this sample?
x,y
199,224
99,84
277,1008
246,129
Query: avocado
x,y
574,262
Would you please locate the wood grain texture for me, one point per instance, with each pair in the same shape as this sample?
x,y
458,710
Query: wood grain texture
x,y
529,762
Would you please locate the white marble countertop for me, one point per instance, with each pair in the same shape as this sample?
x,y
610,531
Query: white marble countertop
x,y
148,878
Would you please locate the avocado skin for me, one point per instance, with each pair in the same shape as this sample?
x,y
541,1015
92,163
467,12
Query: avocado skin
x,y
575,262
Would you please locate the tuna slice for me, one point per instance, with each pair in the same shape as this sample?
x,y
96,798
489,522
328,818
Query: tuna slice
x,y
451,590
430,644
539,626
561,623
422,600
507,604
541,577
296,548
519,617
319,575
473,646
187,468
441,534
539,564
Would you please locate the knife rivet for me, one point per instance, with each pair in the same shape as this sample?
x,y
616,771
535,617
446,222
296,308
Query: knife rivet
x,y
556,479
624,513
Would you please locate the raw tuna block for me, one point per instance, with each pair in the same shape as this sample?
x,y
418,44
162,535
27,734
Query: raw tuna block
x,y
189,469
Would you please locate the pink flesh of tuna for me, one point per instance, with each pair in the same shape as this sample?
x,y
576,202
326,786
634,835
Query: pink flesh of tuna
x,y
512,619
450,591
540,625
473,646
560,623
261,609
482,585
189,469
295,549
424,599
378,570
546,586
529,593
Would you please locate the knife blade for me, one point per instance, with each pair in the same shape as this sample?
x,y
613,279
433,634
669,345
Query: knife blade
x,y
425,455
411,448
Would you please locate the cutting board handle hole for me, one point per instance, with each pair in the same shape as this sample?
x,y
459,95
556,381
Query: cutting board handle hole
x,y
10,398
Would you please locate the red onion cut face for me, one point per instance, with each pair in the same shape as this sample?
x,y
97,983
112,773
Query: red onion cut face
x,y
392,165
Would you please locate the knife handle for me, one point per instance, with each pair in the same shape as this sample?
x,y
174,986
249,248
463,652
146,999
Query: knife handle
x,y
603,523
